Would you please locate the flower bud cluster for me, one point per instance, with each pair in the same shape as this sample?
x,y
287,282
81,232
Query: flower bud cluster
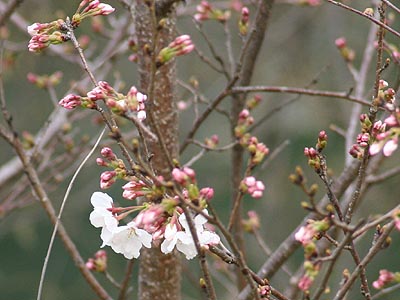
x,y
244,21
306,236
311,271
109,159
205,11
252,186
384,136
307,233
212,142
252,223
45,81
347,53
135,188
257,151
98,263
180,46
90,9
118,103
253,102
245,120
53,33
264,290
46,34
386,95
186,178
386,277
314,159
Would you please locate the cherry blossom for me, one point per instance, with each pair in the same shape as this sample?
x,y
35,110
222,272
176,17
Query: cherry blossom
x,y
128,240
183,240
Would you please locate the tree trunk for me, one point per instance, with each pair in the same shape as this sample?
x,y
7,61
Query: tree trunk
x,y
159,274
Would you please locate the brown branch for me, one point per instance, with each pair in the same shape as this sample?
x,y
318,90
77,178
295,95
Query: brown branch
x,y
365,261
125,282
380,23
8,11
289,245
302,91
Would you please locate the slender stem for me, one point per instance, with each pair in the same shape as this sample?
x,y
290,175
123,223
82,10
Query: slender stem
x,y
380,23
57,223
209,286
302,91
386,291
365,261
125,283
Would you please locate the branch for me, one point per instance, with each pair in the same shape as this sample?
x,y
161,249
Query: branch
x,y
11,7
366,260
381,24
289,90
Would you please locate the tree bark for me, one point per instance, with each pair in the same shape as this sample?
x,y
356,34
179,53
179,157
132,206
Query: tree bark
x,y
159,274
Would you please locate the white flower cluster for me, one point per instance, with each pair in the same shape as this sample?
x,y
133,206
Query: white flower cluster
x,y
128,239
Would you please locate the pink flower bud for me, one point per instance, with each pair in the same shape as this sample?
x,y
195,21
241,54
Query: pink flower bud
x,y
340,42
207,193
105,9
70,101
107,152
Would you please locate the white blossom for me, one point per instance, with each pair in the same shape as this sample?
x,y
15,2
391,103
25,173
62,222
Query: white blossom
x,y
128,240
170,238
101,215
183,240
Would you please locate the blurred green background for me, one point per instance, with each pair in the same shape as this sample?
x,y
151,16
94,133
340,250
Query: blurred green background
x,y
298,48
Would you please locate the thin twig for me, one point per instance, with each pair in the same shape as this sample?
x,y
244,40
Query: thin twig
x,y
380,23
53,235
365,261
125,283
293,90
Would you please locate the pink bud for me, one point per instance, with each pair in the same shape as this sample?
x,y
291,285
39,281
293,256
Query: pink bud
x,y
340,42
207,193
70,101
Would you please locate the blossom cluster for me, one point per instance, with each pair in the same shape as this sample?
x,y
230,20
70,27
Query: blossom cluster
x,y
158,222
244,21
384,136
56,32
252,186
347,53
205,11
152,226
313,154
180,46
46,34
124,105
256,149
306,235
45,81
386,277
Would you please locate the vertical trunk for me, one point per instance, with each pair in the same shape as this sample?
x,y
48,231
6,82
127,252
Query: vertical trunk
x,y
255,40
159,274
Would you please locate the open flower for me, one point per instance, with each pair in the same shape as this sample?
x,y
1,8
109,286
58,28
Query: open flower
x,y
128,240
102,216
183,240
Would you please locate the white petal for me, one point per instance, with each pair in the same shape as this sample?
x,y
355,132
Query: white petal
x,y
100,199
144,237
96,219
188,249
106,236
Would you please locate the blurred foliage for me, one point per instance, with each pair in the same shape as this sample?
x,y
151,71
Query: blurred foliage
x,y
299,48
